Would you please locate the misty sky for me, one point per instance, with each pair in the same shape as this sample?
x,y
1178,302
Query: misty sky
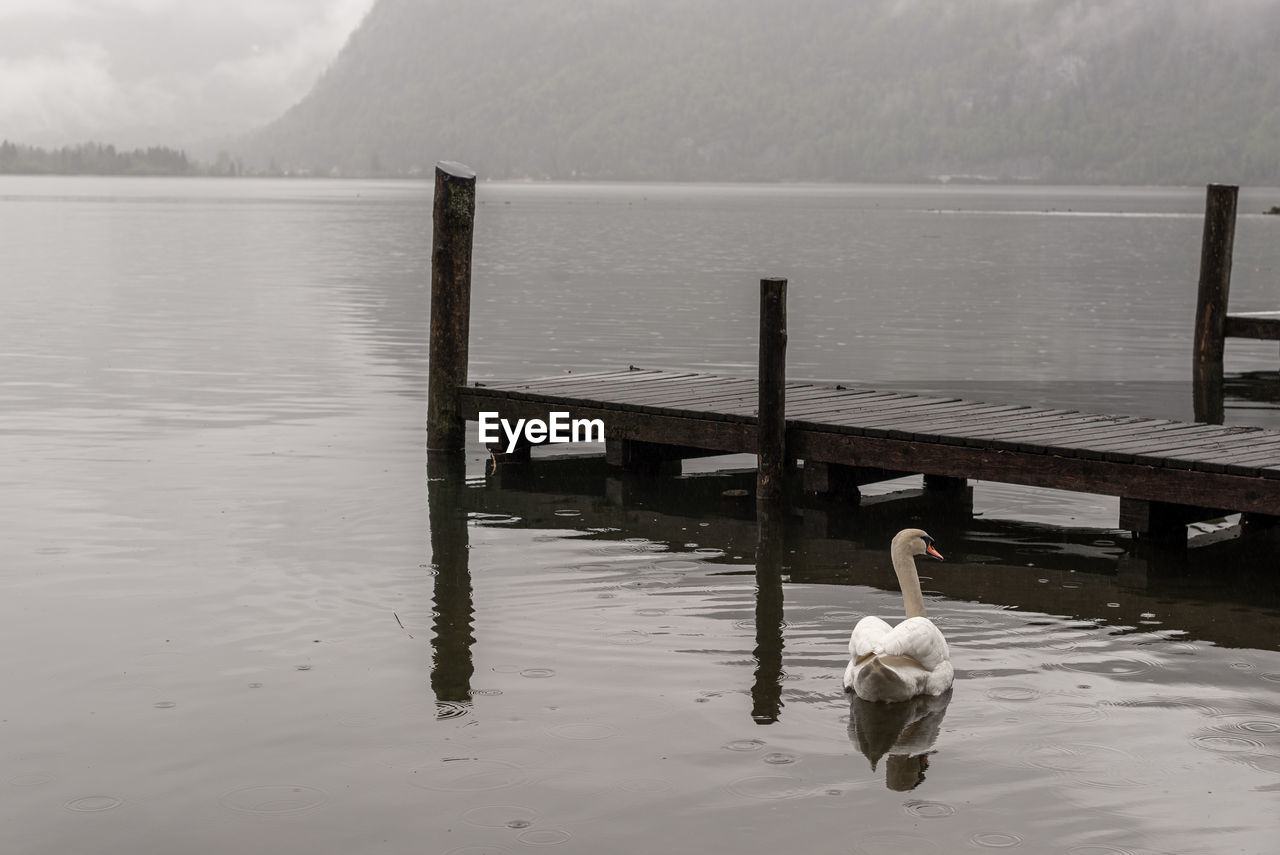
x,y
169,72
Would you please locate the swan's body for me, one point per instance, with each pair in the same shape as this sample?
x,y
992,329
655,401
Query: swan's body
x,y
897,663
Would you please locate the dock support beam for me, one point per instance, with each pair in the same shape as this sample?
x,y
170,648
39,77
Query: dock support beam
x,y
645,457
1211,300
453,222
771,430
1163,522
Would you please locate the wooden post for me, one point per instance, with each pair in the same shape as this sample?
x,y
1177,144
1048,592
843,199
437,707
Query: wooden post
x,y
771,436
1211,299
453,221
944,483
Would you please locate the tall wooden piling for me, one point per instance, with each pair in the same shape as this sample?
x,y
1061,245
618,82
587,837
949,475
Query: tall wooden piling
x,y
453,221
771,437
1215,272
1211,301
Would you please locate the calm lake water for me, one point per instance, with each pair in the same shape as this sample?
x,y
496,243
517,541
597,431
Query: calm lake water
x,y
237,616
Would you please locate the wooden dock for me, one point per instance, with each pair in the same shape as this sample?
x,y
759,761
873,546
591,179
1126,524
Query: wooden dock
x,y
1166,473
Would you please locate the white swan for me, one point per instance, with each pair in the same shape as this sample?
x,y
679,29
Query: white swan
x,y
897,663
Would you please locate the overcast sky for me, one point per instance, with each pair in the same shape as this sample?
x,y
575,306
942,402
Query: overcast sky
x,y
169,72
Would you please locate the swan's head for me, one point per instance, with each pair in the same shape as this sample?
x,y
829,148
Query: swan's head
x,y
915,542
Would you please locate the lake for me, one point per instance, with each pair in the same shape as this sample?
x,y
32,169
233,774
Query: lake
x,y
239,616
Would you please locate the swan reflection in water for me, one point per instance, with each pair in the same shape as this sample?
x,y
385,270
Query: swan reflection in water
x,y
906,731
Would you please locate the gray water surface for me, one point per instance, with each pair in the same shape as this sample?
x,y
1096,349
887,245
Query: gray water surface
x,y
237,617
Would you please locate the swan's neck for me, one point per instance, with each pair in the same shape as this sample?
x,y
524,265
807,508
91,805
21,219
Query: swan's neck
x,y
904,564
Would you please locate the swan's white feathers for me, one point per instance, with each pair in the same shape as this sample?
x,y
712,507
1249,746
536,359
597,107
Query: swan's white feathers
x,y
896,663
918,639
866,636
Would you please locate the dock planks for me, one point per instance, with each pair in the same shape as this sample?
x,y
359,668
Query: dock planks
x,y
1136,458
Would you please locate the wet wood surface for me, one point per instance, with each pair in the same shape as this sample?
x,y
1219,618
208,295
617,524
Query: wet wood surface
x,y
1213,466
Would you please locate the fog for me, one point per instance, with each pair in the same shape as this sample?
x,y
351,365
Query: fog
x,y
144,72
1091,91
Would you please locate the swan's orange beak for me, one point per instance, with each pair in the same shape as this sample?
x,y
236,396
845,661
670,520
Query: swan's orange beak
x,y
931,551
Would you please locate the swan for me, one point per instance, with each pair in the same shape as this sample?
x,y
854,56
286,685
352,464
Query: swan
x,y
900,662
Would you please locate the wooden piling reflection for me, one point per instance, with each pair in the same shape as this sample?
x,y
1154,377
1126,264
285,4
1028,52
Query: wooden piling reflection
x,y
451,662
766,690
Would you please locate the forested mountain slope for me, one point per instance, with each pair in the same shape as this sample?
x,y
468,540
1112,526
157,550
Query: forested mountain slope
x,y
1135,91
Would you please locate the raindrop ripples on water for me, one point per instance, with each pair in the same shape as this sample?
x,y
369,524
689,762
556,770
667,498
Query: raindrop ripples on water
x,y
94,804
544,837
469,774
1013,693
745,745
929,810
1110,667
768,787
996,839
586,730
274,799
501,816
1226,744
780,758
1087,764
451,709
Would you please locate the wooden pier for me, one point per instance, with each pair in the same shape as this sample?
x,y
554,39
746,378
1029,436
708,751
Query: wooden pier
x,y
1166,473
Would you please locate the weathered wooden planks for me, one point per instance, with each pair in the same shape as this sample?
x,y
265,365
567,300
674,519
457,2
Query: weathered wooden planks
x,y
1141,459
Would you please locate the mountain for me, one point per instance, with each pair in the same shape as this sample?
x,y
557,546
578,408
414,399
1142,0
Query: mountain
x,y
1132,91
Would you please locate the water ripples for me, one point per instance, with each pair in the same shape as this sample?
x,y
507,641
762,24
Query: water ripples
x,y
1069,712
1118,666
451,709
768,787
628,637
538,673
583,731
996,839
1226,744
1085,763
928,809
1172,703
274,799
469,774
745,745
894,843
1013,693
544,837
780,758
94,804
1255,726
501,816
